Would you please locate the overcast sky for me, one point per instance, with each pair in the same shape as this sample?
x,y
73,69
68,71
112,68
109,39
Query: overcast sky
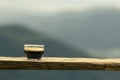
x,y
17,9
55,5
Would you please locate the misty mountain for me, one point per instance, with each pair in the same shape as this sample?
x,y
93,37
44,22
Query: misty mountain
x,y
13,39
96,30
92,29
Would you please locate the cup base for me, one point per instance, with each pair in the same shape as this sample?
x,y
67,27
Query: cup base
x,y
34,55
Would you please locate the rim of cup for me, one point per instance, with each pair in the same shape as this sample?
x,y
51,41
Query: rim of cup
x,y
33,45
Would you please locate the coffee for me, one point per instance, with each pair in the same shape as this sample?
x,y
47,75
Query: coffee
x,y
34,51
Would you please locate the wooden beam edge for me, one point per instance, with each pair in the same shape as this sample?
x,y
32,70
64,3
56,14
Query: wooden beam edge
x,y
59,63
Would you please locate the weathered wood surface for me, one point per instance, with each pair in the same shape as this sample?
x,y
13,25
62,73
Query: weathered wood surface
x,y
57,63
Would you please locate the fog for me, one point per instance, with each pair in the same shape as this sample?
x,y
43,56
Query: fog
x,y
89,25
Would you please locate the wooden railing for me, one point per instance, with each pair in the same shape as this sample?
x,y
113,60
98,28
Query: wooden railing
x,y
59,63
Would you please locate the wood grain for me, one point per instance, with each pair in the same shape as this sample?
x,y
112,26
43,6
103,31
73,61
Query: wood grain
x,y
59,63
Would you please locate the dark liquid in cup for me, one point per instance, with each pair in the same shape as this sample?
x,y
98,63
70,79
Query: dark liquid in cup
x,y
33,51
33,54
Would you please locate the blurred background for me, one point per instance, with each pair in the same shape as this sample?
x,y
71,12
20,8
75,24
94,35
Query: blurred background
x,y
68,28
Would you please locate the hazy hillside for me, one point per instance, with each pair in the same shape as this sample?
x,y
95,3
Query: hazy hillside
x,y
96,30
12,39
